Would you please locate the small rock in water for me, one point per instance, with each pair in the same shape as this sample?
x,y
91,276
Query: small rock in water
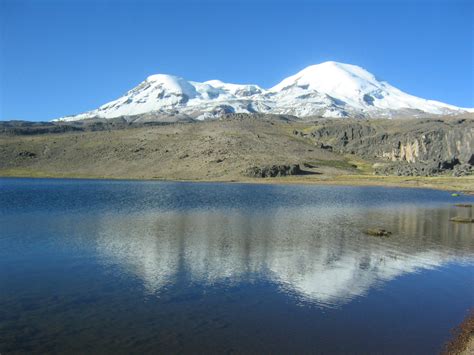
x,y
462,219
455,195
378,232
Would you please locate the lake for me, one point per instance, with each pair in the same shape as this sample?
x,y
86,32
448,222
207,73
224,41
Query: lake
x,y
144,266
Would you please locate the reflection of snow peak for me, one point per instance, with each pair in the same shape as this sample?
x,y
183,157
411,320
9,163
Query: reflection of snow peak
x,y
328,265
152,259
350,276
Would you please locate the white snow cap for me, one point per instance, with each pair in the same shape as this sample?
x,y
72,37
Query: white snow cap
x,y
331,77
329,89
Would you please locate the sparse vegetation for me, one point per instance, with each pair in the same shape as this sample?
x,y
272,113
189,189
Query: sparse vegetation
x,y
219,150
462,219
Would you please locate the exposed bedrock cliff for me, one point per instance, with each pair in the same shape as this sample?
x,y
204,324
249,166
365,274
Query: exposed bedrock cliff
x,y
404,147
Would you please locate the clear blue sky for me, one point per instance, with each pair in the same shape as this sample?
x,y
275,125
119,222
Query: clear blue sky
x,y
66,57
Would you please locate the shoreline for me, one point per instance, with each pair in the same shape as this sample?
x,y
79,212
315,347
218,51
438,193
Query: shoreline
x,y
462,340
224,150
463,185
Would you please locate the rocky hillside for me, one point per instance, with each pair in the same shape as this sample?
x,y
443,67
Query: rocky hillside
x,y
239,147
224,149
407,147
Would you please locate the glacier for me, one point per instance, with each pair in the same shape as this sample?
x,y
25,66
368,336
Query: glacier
x,y
329,89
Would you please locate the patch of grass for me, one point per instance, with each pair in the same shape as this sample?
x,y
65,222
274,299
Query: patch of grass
x,y
364,167
307,130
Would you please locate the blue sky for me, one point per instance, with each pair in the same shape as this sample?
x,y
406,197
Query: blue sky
x,y
66,57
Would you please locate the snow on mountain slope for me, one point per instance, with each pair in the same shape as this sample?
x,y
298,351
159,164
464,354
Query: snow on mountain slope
x,y
329,89
347,90
168,94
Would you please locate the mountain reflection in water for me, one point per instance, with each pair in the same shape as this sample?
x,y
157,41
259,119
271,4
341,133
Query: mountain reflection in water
x,y
319,255
91,266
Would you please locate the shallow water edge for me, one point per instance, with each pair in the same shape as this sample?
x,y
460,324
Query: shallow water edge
x,y
464,184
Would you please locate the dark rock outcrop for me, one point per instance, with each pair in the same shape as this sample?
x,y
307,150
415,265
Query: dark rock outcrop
x,y
378,232
26,154
326,147
273,171
424,168
463,170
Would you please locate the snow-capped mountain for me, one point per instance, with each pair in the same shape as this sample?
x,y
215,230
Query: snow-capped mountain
x,y
329,89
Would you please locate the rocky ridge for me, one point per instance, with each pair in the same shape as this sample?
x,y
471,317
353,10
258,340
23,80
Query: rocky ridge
x,y
416,147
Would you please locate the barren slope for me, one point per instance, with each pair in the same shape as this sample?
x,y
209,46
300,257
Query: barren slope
x,y
222,150
204,150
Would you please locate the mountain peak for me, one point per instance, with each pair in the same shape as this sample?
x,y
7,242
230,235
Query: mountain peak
x,y
162,78
332,78
164,85
333,64
328,89
332,67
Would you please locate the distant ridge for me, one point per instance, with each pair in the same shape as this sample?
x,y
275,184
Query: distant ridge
x,y
329,89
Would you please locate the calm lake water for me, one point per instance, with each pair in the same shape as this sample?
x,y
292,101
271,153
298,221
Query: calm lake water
x,y
122,266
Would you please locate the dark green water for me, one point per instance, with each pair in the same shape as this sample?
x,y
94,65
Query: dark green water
x,y
121,266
